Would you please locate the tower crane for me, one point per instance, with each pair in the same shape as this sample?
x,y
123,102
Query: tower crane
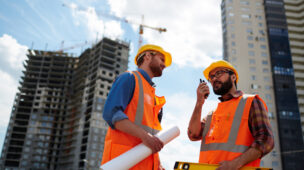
x,y
141,25
71,47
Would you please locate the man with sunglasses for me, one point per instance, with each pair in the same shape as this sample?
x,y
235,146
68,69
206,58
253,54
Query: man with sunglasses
x,y
133,111
238,132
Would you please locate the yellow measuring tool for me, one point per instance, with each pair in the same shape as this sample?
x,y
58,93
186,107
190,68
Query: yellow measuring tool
x,y
197,166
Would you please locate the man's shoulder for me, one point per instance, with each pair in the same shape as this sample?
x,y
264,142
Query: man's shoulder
x,y
125,77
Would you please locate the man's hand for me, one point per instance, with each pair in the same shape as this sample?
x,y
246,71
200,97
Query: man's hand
x,y
149,140
201,92
152,142
228,165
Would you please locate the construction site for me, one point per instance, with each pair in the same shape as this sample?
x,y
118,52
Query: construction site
x,y
56,119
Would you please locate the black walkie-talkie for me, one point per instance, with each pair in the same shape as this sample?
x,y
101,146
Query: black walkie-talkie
x,y
206,95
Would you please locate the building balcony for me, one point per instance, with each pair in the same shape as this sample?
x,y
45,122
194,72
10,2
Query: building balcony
x,y
297,51
295,22
294,8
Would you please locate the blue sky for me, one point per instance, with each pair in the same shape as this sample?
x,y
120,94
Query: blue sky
x,y
193,38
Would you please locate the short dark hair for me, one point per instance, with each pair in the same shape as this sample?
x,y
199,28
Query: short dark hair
x,y
141,59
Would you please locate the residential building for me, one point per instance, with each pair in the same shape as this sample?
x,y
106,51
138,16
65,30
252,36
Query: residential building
x,y
56,120
294,10
254,41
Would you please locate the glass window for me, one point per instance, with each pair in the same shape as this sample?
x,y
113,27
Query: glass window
x,y
92,162
246,22
262,39
32,123
36,165
264,62
267,79
267,87
250,45
251,53
26,149
233,51
25,156
252,69
270,115
229,8
34,116
264,54
259,11
94,146
249,30
260,24
249,37
95,138
246,16
253,77
232,35
28,142
262,32
24,163
254,86
231,14
252,61
265,70
93,154
245,9
99,107
263,46
275,164
232,43
243,2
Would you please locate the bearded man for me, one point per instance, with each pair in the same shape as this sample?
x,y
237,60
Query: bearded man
x,y
133,111
238,132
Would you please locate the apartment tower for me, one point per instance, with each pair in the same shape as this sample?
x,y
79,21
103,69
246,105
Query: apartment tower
x,y
56,121
255,41
294,10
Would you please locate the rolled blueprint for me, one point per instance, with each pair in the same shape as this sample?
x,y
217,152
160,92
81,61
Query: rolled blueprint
x,y
139,152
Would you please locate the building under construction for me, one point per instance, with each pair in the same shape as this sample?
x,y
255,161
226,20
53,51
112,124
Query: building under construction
x,y
56,120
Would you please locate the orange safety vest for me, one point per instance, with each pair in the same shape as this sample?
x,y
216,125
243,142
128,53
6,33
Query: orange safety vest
x,y
142,110
226,134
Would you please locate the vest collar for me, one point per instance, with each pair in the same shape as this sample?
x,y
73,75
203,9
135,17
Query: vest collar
x,y
146,76
237,94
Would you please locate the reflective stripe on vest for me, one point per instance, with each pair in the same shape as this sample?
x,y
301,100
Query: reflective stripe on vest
x,y
140,107
230,144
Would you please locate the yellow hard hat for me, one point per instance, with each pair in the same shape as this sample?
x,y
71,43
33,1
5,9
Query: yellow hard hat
x,y
220,63
168,58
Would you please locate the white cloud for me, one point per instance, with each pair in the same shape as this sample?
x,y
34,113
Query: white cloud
x,y
178,111
194,30
8,89
95,25
12,55
12,52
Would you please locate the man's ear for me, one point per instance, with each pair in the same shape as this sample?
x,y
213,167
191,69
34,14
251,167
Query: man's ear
x,y
148,56
233,77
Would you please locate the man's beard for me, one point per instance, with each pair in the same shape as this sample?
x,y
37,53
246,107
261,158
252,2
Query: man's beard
x,y
226,86
155,68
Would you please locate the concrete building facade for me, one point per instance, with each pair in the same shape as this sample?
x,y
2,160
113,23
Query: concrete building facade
x,y
249,45
294,10
56,120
